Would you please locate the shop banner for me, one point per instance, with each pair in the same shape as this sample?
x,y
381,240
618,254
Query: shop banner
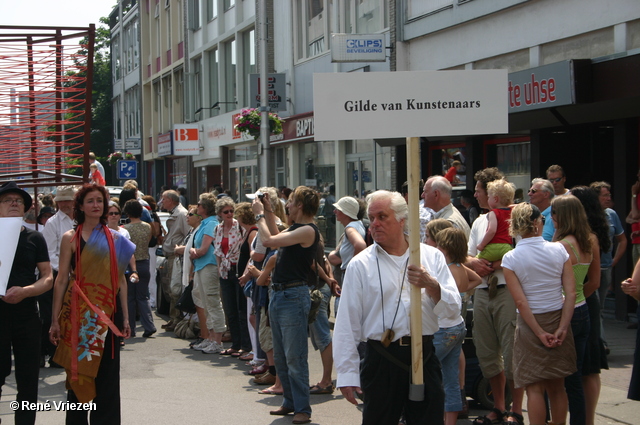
x,y
10,231
372,105
186,139
165,146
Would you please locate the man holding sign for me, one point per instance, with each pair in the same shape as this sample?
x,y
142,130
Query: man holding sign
x,y
18,309
377,311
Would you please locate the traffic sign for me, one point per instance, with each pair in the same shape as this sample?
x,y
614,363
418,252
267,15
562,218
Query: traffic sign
x,y
127,169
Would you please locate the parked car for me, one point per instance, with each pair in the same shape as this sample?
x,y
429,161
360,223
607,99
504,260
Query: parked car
x,y
114,191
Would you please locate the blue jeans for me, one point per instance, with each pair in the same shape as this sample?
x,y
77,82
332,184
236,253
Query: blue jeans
x,y
448,343
580,326
288,315
138,296
319,331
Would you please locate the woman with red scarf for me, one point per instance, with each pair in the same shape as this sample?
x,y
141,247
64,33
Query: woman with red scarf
x,y
90,308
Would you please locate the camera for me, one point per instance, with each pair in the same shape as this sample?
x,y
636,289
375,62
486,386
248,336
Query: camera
x,y
260,194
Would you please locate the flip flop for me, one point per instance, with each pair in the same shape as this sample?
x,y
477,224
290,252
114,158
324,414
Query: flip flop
x,y
270,392
246,357
237,353
316,389
228,352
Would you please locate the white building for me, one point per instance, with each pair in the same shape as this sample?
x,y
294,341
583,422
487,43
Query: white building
x,y
124,22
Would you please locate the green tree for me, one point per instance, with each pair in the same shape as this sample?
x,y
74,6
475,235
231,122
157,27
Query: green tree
x,y
101,136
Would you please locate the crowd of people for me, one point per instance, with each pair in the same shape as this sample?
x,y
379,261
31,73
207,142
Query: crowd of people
x,y
254,275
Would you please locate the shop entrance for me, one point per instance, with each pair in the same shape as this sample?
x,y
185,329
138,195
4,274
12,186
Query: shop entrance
x,y
243,179
360,175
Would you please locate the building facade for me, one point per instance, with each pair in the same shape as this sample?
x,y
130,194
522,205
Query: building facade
x,y
163,75
573,96
124,23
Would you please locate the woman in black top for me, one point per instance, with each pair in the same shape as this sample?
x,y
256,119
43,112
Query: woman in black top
x,y
289,295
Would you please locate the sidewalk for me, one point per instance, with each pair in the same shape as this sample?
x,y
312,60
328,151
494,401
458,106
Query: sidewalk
x,y
613,406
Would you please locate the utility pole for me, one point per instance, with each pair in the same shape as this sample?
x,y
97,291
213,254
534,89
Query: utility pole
x,y
263,143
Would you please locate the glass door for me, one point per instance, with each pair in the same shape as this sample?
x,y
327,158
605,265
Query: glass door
x,y
360,176
243,180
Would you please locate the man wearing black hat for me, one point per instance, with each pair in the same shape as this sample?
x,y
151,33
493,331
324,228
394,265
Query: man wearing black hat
x,y
19,319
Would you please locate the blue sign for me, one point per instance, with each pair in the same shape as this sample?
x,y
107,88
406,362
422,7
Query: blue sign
x,y
127,169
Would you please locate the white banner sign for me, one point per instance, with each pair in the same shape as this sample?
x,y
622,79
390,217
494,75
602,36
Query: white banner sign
x,y
186,139
358,48
409,104
10,231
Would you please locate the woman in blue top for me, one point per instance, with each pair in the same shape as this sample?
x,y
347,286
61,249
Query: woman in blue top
x,y
206,275
351,242
289,295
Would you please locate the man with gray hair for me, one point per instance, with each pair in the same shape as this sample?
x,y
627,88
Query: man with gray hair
x,y
376,309
540,195
437,196
177,230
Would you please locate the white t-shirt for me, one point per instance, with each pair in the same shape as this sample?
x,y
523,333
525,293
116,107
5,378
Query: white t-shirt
x,y
538,264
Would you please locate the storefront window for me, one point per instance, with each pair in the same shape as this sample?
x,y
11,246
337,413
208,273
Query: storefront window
x,y
443,159
384,157
243,176
318,170
513,158
179,175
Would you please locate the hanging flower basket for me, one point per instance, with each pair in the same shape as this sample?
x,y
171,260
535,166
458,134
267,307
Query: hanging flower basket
x,y
249,122
117,156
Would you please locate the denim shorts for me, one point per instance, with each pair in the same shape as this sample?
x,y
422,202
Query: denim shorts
x,y
448,343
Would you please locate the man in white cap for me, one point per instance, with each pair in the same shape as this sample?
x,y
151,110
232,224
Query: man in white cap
x,y
19,322
60,223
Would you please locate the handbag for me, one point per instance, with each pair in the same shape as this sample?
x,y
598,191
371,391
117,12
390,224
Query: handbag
x,y
316,300
315,285
187,328
185,302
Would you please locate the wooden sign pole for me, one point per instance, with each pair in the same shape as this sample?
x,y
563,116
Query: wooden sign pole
x,y
416,392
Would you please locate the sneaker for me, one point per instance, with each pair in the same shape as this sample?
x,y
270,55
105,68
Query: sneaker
x,y
202,344
212,348
193,344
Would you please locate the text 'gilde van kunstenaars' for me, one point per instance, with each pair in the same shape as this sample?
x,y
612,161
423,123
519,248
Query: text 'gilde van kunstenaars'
x,y
411,105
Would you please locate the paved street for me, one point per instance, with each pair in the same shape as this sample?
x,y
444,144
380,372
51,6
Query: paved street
x,y
163,382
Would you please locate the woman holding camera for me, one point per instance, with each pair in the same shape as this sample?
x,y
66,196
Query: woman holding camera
x,y
289,295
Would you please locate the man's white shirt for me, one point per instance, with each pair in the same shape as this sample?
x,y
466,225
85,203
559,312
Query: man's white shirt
x,y
361,303
56,226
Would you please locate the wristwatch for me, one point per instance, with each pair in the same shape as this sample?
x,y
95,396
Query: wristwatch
x,y
259,216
